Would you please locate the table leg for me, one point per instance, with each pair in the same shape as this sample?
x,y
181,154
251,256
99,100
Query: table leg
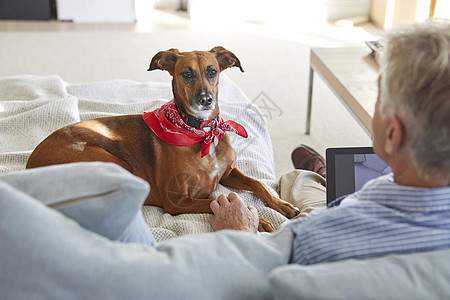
x,y
308,109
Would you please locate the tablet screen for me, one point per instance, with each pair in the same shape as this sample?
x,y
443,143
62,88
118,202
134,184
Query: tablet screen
x,y
348,169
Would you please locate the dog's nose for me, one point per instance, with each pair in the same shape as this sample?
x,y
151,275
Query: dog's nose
x,y
206,99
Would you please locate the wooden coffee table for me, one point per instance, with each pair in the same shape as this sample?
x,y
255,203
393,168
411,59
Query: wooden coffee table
x,y
351,73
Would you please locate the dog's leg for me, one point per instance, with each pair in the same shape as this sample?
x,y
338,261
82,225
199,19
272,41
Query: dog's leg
x,y
187,206
265,225
237,179
194,205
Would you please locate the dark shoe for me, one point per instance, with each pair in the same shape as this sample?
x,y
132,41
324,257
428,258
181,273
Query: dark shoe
x,y
306,158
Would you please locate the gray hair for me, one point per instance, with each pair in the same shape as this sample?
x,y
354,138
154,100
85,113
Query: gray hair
x,y
415,86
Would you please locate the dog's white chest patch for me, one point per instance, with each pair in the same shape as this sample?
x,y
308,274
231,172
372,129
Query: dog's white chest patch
x,y
216,171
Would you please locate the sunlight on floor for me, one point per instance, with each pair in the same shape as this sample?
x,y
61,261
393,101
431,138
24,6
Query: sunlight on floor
x,y
282,14
284,19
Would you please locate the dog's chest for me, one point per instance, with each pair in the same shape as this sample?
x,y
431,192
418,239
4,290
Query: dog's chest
x,y
219,160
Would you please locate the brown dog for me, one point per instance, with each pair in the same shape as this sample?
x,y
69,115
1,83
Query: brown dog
x,y
181,177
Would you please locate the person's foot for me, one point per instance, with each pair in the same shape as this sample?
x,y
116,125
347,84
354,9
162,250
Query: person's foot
x,y
305,158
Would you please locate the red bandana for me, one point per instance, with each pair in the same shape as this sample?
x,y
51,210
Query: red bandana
x,y
167,124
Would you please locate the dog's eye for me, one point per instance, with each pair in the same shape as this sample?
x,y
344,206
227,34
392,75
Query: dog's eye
x,y
187,75
212,73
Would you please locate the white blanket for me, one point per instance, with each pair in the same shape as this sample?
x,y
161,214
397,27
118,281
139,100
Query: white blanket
x,y
32,107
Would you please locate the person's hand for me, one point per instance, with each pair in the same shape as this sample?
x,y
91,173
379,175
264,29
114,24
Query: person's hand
x,y
232,213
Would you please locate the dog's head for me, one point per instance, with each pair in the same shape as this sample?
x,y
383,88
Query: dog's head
x,y
196,77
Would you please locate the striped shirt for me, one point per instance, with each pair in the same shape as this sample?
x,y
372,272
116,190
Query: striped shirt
x,y
381,218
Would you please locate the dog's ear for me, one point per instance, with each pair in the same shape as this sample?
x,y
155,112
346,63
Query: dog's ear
x,y
164,60
226,58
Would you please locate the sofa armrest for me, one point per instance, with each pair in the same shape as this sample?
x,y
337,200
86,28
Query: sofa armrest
x,y
409,276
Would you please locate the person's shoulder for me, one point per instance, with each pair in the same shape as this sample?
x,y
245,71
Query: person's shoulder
x,y
380,184
384,180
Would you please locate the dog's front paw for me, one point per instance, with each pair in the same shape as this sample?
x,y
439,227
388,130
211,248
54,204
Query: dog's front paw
x,y
265,225
290,211
285,208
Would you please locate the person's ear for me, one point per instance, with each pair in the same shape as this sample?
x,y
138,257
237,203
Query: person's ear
x,y
395,136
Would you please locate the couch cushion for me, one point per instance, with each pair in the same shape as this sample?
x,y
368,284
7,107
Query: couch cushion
x,y
101,197
410,276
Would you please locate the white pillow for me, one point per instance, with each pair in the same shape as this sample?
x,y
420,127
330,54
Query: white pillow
x,y
101,197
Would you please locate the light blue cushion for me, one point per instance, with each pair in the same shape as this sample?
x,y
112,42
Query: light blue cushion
x,y
45,255
101,197
410,276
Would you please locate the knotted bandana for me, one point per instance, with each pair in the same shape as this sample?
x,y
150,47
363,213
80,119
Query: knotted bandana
x,y
167,124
